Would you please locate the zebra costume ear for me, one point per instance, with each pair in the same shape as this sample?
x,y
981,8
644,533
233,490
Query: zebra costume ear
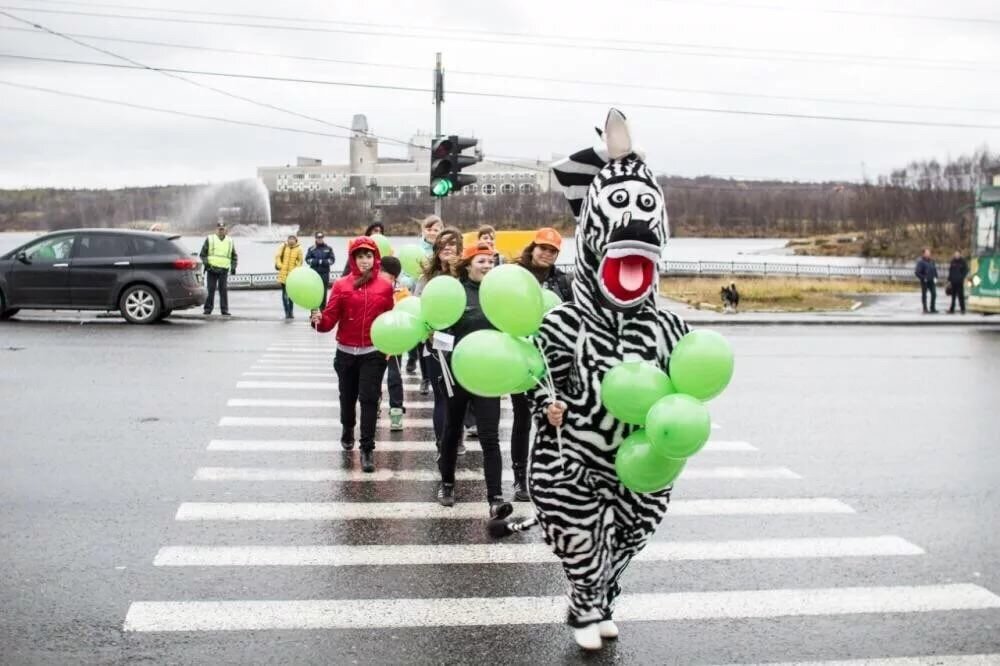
x,y
575,173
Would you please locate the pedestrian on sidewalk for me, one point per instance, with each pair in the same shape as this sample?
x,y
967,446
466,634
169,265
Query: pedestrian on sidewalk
x,y
447,246
218,253
287,259
926,272
320,258
476,263
355,301
539,257
958,270
391,269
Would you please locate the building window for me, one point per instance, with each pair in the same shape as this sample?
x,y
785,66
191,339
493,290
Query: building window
x,y
526,188
298,176
470,189
489,189
507,188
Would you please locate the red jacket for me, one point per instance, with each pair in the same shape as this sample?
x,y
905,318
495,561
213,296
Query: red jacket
x,y
355,309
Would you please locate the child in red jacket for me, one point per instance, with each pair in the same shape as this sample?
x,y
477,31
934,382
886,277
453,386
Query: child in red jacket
x,y
355,301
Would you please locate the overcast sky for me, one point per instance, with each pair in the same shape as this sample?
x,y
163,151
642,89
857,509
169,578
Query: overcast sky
x,y
736,46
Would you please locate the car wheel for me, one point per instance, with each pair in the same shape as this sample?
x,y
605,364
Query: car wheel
x,y
140,304
4,312
164,314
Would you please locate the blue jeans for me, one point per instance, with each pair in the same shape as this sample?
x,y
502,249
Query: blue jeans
x,y
286,302
394,380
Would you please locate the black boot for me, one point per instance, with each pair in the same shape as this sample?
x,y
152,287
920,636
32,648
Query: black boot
x,y
367,461
347,439
499,508
446,494
521,484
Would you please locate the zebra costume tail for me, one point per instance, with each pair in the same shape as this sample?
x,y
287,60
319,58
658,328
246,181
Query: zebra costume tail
x,y
504,528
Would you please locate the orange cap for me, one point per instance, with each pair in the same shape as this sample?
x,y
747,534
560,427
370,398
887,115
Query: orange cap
x,y
548,236
478,248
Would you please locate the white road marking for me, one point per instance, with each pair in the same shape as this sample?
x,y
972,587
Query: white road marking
x,y
320,446
313,422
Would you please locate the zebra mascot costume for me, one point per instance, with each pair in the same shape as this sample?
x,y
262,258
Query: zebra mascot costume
x,y
593,523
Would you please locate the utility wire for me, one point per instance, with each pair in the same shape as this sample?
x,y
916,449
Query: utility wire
x,y
827,59
437,29
538,98
524,77
843,12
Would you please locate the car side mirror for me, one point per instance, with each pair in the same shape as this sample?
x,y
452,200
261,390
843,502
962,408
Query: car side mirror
x,y
23,258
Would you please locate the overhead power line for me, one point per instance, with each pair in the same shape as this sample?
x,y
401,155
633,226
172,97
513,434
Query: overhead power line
x,y
843,12
436,29
525,77
830,58
535,98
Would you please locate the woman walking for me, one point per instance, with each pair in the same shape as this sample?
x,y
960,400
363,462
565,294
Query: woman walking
x,y
444,253
539,257
355,301
286,259
476,263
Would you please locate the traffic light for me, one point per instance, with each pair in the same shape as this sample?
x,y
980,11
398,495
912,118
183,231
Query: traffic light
x,y
447,162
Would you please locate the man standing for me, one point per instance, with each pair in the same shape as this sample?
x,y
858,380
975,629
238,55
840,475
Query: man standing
x,y
320,258
958,270
219,256
927,273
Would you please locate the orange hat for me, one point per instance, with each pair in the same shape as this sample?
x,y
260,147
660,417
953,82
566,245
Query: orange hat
x,y
548,236
478,248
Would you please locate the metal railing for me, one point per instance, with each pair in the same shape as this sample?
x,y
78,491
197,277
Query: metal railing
x,y
687,268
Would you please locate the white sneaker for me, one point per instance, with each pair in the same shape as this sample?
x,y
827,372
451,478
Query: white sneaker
x,y
589,637
608,629
395,419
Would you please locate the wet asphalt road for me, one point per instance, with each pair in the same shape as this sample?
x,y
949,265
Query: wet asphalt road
x,y
105,427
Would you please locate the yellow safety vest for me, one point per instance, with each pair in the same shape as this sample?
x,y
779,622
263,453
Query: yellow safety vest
x,y
220,252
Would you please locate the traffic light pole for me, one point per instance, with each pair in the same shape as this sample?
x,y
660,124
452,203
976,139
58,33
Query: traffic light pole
x,y
438,98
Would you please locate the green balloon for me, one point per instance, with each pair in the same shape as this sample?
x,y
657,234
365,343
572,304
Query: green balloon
x,y
639,467
630,389
396,332
305,287
512,300
550,299
533,361
412,258
678,426
384,246
489,363
701,364
442,302
410,305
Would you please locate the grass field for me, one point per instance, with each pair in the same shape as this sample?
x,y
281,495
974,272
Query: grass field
x,y
776,294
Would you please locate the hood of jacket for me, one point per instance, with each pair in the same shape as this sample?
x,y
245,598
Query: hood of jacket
x,y
363,243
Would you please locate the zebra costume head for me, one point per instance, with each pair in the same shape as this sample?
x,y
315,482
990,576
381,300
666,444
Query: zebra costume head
x,y
621,218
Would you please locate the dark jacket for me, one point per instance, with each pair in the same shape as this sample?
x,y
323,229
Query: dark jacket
x,y
473,318
958,270
560,283
926,270
204,258
320,258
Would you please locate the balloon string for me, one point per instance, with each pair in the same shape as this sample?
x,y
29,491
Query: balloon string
x,y
552,395
448,381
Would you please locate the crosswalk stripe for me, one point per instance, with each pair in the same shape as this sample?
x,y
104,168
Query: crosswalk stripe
x,y
524,553
313,422
465,510
147,616
317,474
321,446
335,404
291,351
928,660
286,373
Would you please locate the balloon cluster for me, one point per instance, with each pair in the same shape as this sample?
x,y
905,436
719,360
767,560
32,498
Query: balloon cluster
x,y
674,421
489,363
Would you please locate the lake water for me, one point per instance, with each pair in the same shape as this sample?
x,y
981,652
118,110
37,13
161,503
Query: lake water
x,y
256,255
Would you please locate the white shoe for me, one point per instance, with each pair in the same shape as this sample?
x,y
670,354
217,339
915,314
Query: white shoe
x,y
608,629
589,637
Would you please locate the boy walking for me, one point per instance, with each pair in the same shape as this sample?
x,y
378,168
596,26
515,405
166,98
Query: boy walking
x,y
391,270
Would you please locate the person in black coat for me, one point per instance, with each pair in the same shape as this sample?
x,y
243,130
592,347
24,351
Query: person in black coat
x,y
926,272
320,258
476,263
958,270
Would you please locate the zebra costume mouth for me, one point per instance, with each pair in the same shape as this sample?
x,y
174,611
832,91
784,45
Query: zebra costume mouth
x,y
628,272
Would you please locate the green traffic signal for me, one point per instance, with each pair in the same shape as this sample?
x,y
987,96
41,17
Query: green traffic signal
x,y
441,187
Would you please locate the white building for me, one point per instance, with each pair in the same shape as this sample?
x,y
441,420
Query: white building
x,y
389,178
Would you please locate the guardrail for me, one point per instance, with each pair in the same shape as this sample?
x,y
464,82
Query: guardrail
x,y
764,269
696,268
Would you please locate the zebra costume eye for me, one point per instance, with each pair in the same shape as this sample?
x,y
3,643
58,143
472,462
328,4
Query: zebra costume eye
x,y
646,202
619,198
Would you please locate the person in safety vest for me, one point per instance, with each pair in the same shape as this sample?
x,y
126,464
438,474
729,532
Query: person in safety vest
x,y
219,256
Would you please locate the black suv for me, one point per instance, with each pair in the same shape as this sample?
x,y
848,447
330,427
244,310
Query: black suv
x,y
145,275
